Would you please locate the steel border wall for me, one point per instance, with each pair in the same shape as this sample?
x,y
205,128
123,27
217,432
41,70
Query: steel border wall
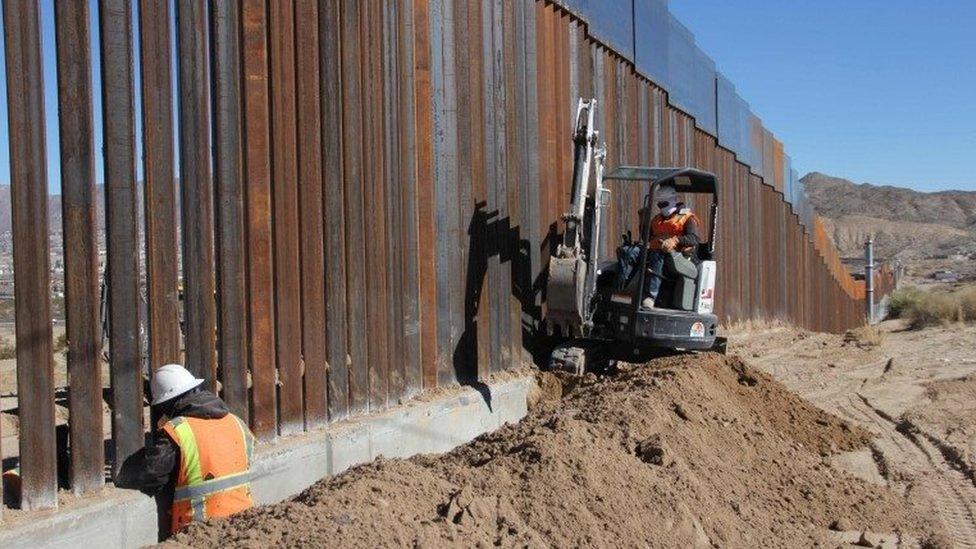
x,y
369,192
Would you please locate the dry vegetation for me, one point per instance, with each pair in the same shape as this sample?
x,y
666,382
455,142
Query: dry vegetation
x,y
866,336
61,343
933,308
7,349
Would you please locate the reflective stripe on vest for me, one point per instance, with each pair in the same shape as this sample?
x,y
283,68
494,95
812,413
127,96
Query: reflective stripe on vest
x,y
193,488
248,440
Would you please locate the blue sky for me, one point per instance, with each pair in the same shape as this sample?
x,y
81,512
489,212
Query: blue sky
x,y
51,97
879,91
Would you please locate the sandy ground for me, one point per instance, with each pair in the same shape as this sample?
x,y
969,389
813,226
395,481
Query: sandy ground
x,y
9,424
916,392
687,451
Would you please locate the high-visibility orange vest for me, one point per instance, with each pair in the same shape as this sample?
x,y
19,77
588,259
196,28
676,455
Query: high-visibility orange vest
x,y
215,464
664,228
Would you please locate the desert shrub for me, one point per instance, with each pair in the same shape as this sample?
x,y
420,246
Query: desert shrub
x,y
967,302
7,350
903,300
61,343
867,336
933,309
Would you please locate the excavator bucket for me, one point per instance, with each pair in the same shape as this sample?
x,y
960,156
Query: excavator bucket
x,y
564,293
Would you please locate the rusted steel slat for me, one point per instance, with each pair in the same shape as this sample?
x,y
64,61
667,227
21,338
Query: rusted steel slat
x,y
528,235
28,177
404,343
284,185
310,204
375,234
546,82
229,206
260,274
564,118
621,198
352,146
644,149
163,322
497,175
756,255
585,62
334,216
446,175
196,191
120,211
481,203
426,227
472,346
574,44
508,232
390,136
463,303
407,187
78,207
631,130
666,156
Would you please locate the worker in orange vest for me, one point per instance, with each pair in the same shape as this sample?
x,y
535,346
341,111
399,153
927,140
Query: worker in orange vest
x,y
202,452
673,230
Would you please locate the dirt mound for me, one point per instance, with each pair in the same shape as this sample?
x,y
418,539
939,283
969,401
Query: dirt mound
x,y
685,451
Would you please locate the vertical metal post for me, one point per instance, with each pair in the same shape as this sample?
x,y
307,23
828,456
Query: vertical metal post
x,y
229,200
162,243
78,205
121,227
196,183
28,197
869,280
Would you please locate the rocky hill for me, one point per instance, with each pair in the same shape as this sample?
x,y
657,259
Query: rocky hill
x,y
53,208
905,224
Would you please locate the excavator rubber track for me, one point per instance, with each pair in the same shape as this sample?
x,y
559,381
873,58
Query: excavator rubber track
x,y
568,358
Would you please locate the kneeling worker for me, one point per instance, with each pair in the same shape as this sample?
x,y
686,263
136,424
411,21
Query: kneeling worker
x,y
674,229
203,452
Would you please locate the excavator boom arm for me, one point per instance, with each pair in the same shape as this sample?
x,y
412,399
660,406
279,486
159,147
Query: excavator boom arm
x,y
572,269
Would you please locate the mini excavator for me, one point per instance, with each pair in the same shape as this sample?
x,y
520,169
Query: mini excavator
x,y
594,307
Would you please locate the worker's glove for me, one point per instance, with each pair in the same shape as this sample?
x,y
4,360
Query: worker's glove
x,y
669,244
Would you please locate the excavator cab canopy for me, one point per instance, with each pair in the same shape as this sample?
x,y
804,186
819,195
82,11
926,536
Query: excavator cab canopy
x,y
684,180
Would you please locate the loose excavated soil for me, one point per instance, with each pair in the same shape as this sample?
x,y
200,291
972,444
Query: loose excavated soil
x,y
684,451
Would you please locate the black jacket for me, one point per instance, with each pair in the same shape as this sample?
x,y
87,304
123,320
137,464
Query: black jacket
x,y
162,456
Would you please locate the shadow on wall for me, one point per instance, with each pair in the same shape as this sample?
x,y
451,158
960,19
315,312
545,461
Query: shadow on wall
x,y
491,236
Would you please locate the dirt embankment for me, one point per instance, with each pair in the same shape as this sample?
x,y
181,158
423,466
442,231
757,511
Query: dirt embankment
x,y
915,390
686,451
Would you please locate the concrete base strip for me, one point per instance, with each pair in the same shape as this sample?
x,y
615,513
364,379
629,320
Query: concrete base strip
x,y
125,518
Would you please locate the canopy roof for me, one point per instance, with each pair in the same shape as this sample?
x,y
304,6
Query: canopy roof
x,y
684,180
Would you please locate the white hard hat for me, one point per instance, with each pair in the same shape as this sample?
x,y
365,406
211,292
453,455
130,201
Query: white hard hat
x,y
666,193
170,381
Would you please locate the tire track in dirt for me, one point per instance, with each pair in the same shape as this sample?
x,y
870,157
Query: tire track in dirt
x,y
927,470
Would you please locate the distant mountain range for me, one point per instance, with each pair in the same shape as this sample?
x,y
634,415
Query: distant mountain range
x,y
54,207
904,223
